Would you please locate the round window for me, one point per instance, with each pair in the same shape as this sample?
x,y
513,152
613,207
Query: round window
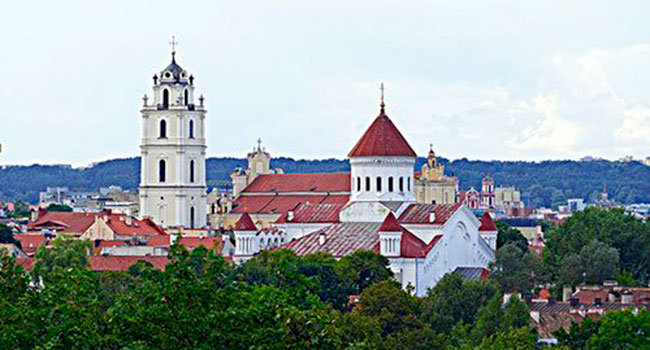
x,y
167,75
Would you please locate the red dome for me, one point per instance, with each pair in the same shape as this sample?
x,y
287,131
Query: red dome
x,y
382,139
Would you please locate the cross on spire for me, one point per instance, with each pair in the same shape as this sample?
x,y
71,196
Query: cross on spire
x,y
259,144
382,105
173,43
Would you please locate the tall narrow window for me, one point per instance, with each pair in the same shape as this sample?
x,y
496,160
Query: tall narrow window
x,y
358,183
163,129
378,184
191,129
390,184
165,99
192,217
186,97
162,170
401,184
408,181
367,184
192,170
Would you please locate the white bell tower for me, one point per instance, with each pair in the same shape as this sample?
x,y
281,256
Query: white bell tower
x,y
173,189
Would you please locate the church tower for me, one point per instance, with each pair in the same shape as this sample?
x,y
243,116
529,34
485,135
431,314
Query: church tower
x,y
173,189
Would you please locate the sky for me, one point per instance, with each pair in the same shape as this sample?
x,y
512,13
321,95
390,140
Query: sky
x,y
490,80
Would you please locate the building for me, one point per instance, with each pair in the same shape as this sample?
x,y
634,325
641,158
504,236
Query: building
x,y
259,163
373,207
432,185
173,188
507,200
103,225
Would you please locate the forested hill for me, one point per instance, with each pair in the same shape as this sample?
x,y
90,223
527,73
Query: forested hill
x,y
541,183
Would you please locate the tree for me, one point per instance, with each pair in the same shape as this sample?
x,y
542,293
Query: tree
x,y
616,330
507,234
63,253
454,300
494,317
596,263
7,235
516,271
59,207
361,269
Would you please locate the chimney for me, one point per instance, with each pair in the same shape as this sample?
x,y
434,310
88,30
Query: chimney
x,y
321,238
432,216
172,239
128,220
567,290
290,215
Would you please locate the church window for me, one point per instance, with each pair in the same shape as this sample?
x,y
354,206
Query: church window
x,y
186,97
378,184
408,181
165,99
401,184
162,170
192,217
358,183
390,184
192,170
367,184
191,131
163,129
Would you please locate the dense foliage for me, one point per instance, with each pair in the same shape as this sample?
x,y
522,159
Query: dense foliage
x,y
274,301
542,183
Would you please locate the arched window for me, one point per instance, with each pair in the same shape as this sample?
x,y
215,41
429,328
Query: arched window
x,y
163,129
191,217
162,170
165,99
358,183
378,184
192,170
367,184
186,97
191,131
408,181
401,184
390,184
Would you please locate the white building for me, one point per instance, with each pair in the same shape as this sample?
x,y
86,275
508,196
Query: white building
x,y
423,242
172,187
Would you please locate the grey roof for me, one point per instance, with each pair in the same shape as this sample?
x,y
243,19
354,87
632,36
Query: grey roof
x,y
173,68
472,273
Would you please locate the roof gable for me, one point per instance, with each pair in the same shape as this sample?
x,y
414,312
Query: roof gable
x,y
487,223
245,223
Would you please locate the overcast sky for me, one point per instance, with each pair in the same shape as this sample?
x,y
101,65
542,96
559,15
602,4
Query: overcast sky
x,y
528,80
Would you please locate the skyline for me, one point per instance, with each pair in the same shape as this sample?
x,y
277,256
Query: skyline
x,y
501,81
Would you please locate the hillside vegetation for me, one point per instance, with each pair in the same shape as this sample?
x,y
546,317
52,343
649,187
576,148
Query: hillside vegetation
x,y
542,183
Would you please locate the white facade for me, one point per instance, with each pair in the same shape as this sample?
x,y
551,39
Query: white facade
x,y
173,189
382,178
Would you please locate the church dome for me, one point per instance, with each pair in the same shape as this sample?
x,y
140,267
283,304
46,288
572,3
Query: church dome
x,y
173,71
382,139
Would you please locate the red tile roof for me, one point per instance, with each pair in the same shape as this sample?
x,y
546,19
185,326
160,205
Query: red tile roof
x,y
419,213
487,224
78,223
118,223
390,224
281,183
252,204
30,242
210,243
122,263
245,223
345,238
325,211
280,204
382,139
109,263
68,222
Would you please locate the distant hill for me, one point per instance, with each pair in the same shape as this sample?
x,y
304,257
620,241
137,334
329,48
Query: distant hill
x,y
542,183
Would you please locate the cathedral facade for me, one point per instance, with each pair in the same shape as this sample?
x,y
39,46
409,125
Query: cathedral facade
x,y
173,188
